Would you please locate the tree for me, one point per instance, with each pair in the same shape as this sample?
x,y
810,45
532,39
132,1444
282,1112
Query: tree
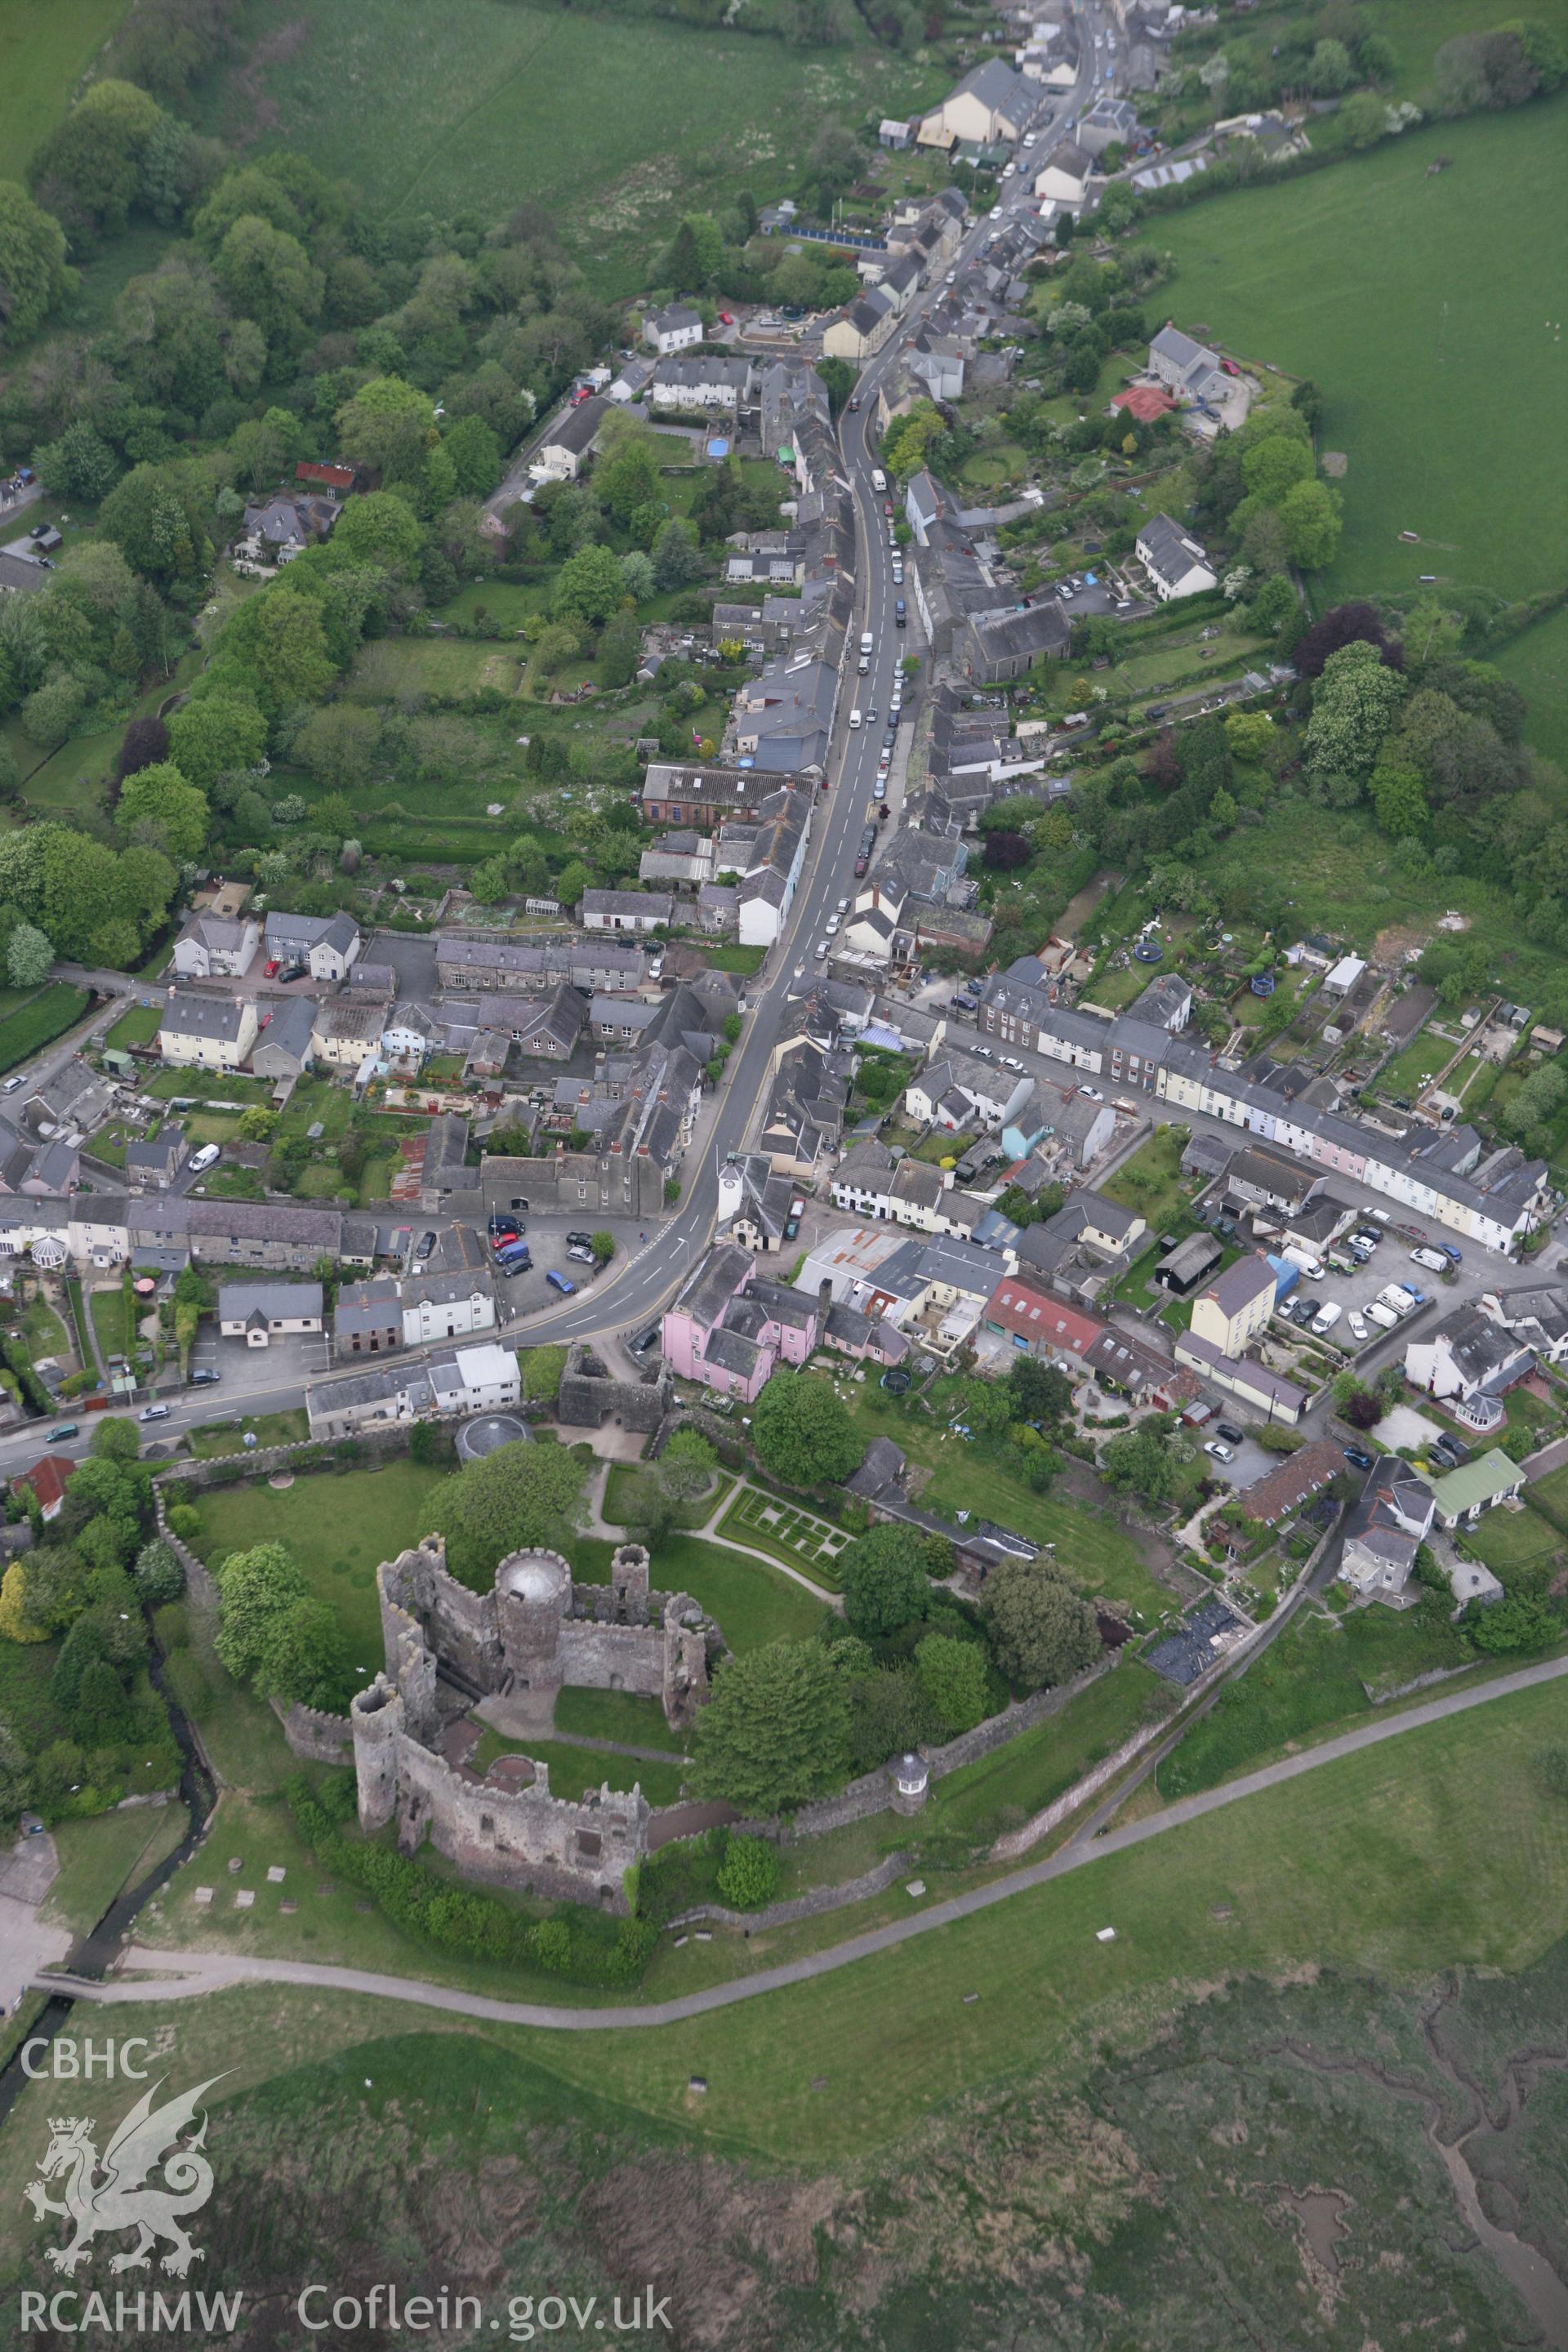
x,y
571,882
301,1655
80,464
1137,1462
100,1713
1551,1764
602,1245
1399,798
157,804
748,1873
590,584
1329,70
678,561
637,576
803,1432
1270,466
1041,1630
1352,711
952,1674
839,380
1519,1622
1344,624
1363,119
388,427
211,736
476,455
32,272
145,743
1251,735
115,1438
542,1370
337,744
378,528
1037,1391
774,1731
28,957
270,277
255,1589
157,1575
884,1580
1311,515
520,1496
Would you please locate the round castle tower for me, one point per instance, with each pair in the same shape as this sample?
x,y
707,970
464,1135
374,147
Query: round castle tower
x,y
377,1717
534,1598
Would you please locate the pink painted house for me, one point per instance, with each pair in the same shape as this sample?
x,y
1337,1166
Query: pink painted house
x,y
730,1328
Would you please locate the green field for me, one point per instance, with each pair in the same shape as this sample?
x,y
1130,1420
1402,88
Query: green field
x,y
1538,664
338,1527
38,1021
612,124
751,1603
139,1026
1401,294
44,52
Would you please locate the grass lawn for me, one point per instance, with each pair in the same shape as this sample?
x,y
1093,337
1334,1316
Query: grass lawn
x,y
1507,1540
616,1716
268,1429
1396,291
1538,664
39,1021
338,1526
139,1026
107,1309
574,1771
610,123
1313,1675
44,52
750,1603
1116,989
101,1858
996,1791
1428,1850
1415,1066
45,1333
1152,1183
620,1491
1090,1548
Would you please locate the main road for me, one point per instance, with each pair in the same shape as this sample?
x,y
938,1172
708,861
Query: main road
x,y
648,1281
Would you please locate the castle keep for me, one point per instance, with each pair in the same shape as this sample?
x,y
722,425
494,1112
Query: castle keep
x,y
506,1654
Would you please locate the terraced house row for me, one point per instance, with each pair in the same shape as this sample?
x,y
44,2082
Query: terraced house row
x,y
1492,1193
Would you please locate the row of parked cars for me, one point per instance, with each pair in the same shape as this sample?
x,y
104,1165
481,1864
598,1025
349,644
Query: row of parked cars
x,y
1392,1302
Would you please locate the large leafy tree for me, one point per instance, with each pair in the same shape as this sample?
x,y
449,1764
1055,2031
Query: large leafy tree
x,y
520,1496
590,584
952,1674
270,277
33,273
884,1580
157,806
775,1732
1354,707
803,1432
271,1634
1041,1630
214,734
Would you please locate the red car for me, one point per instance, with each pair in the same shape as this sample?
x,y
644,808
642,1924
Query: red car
x,y
1230,367
269,972
726,317
887,505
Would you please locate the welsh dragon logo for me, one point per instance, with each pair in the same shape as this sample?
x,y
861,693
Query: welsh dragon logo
x,y
111,2192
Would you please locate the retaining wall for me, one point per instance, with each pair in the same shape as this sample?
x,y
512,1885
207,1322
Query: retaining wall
x,y
816,1900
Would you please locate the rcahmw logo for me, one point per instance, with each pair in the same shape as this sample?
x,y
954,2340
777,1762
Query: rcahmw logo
x,y
152,2175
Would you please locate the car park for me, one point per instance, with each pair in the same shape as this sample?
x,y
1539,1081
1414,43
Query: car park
x,y
1220,1453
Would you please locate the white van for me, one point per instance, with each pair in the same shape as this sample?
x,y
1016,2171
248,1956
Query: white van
x,y
854,718
1325,1318
202,1159
867,641
878,479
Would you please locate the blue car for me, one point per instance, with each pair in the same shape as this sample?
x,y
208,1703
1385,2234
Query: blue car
x,y
559,1282
1454,1256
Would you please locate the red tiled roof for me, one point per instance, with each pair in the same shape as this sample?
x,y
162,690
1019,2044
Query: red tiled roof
x,y
1301,1473
336,477
1018,1307
48,1479
1143,401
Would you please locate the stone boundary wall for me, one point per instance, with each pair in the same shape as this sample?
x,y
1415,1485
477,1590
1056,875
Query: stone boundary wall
x,y
320,1738
1015,1843
873,1792
809,1905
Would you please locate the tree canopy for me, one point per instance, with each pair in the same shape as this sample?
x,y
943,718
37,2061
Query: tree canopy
x,y
804,1431
520,1496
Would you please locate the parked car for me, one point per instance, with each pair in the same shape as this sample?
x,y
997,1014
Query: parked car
x,y
203,1159
1229,1432
1325,1318
1358,1324
1357,1456
153,1413
1434,1261
579,1241
426,1246
1454,1256
68,1429
1383,1317
206,1376
1450,1449
1220,1453
559,1282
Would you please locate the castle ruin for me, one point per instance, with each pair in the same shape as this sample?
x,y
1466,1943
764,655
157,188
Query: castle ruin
x,y
505,1654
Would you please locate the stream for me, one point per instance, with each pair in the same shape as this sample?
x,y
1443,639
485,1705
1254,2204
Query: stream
x,y
93,1952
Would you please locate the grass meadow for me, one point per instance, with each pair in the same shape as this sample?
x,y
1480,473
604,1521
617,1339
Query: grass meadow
x,y
611,124
1427,310
44,50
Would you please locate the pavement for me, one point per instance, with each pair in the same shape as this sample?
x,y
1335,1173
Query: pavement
x,y
27,1944
178,1976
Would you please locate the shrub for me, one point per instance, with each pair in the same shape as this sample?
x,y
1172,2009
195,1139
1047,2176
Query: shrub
x,y
749,1874
184,1522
